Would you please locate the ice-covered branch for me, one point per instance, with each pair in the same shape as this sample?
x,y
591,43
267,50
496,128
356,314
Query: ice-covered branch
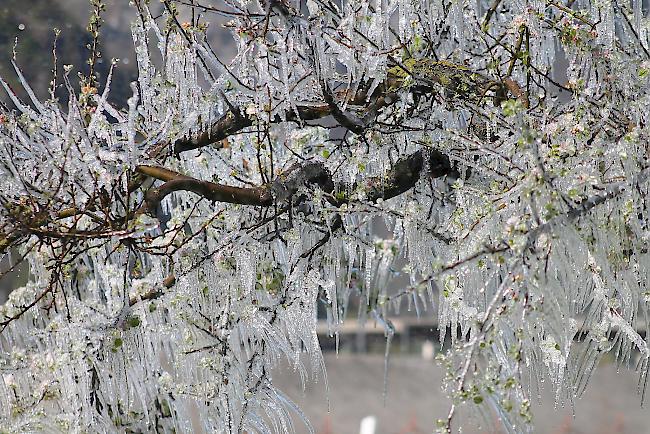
x,y
212,191
234,121
455,79
400,178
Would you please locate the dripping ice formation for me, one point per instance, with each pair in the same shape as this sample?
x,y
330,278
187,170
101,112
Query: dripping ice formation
x,y
404,155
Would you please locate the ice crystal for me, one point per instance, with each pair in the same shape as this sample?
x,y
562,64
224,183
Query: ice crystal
x,y
178,248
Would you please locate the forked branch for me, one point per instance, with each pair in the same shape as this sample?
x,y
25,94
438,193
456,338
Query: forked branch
x,y
401,177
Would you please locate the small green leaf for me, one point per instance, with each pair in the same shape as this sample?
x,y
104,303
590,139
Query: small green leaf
x,y
133,321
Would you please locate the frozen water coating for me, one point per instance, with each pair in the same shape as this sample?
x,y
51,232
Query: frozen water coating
x,y
532,259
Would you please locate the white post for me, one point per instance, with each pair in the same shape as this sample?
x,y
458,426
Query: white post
x,y
428,350
368,425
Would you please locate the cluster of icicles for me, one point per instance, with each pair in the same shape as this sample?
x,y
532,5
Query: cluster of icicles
x,y
527,282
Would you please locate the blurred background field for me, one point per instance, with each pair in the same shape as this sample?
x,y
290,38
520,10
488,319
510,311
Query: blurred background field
x,y
415,400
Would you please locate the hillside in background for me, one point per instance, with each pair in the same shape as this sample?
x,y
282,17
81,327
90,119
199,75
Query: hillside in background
x,y
34,29
31,31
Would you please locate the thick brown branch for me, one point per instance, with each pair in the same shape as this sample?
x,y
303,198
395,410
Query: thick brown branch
x,y
211,191
175,181
406,173
396,181
285,186
234,121
402,177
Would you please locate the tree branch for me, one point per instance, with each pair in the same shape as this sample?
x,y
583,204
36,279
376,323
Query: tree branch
x,y
233,122
402,177
175,181
406,173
